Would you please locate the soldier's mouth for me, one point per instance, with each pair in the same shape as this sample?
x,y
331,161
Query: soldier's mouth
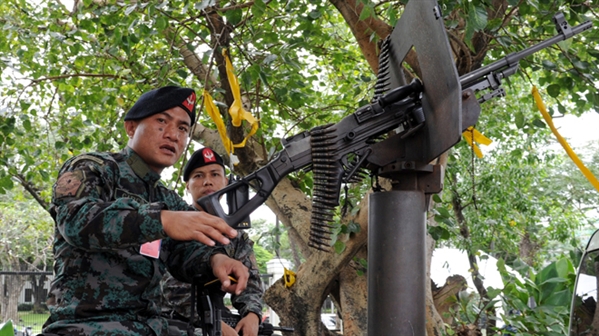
x,y
169,148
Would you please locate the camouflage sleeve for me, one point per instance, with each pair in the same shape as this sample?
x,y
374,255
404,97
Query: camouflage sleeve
x,y
188,259
251,298
176,296
87,217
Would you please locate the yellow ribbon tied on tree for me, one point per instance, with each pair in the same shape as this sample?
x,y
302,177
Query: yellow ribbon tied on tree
x,y
585,171
289,277
472,136
236,110
213,112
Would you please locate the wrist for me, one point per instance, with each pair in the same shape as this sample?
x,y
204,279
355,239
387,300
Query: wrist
x,y
216,257
252,315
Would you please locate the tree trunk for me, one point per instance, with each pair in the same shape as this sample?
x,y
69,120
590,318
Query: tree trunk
x,y
353,294
528,249
10,298
39,296
299,306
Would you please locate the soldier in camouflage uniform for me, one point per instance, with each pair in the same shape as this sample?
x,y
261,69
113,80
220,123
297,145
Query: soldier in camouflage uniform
x,y
119,229
204,174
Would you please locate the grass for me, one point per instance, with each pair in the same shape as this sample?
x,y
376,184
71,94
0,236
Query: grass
x,y
30,319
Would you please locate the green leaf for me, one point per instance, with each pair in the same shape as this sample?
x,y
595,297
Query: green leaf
x,y
234,16
539,123
554,90
205,4
443,212
130,9
182,73
339,247
366,13
549,65
6,183
353,227
580,65
161,23
519,119
27,125
477,17
493,292
559,299
315,14
258,8
438,232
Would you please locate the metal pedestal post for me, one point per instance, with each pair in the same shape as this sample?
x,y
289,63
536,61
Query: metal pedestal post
x,y
397,253
396,263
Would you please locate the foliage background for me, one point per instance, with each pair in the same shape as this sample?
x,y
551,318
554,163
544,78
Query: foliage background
x,y
68,75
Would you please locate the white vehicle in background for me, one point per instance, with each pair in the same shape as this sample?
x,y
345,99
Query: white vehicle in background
x,y
331,321
584,315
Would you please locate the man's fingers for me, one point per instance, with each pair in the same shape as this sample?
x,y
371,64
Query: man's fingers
x,y
208,233
202,238
196,225
219,224
242,280
223,277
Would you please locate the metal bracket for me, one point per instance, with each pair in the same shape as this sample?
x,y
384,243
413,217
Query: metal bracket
x,y
410,175
562,25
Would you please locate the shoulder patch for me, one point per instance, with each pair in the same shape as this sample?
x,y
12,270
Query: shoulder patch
x,y
68,184
87,157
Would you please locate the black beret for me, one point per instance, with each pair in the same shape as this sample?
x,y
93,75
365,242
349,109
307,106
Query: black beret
x,y
200,158
162,99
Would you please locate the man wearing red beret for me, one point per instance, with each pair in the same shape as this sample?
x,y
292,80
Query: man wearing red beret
x,y
204,174
118,229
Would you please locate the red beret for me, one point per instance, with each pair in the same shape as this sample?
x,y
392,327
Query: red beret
x,y
162,99
200,158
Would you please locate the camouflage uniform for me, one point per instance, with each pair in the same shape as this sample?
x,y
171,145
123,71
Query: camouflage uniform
x,y
176,295
105,206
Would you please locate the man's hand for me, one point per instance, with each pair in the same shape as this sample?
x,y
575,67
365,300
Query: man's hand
x,y
249,325
196,225
223,267
227,330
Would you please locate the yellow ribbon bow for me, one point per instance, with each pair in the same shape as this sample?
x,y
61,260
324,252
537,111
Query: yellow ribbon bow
x,y
289,277
213,112
236,110
471,135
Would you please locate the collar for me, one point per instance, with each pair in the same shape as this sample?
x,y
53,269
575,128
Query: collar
x,y
140,167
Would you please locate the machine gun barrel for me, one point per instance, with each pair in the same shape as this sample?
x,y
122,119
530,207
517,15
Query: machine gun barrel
x,y
512,60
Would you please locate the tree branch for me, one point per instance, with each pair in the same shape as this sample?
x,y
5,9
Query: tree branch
x,y
32,190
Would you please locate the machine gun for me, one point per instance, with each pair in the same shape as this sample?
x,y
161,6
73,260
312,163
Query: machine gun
x,y
208,299
387,134
397,135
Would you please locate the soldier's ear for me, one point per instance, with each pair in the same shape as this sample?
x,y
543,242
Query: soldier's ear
x,y
130,127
